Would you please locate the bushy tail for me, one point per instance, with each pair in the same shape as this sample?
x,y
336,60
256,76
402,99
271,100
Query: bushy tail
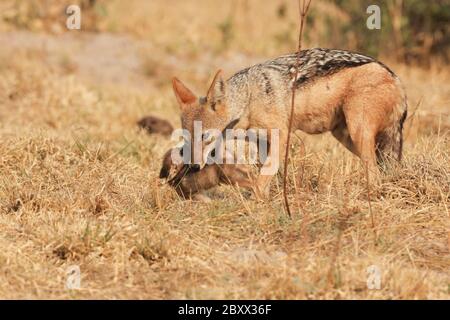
x,y
390,142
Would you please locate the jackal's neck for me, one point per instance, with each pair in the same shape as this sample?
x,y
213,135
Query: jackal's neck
x,y
237,96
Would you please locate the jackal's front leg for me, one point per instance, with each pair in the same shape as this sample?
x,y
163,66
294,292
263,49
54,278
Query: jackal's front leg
x,y
272,163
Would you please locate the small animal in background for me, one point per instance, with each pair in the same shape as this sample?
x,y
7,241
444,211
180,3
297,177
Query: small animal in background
x,y
154,125
190,182
355,97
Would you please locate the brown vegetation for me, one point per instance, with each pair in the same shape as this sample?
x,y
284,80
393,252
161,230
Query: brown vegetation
x,y
80,186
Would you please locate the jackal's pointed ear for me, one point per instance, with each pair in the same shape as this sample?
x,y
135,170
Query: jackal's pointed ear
x,y
217,88
184,96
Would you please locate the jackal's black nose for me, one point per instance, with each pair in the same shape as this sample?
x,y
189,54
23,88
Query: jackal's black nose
x,y
195,167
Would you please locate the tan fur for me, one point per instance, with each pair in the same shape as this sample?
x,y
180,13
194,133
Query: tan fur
x,y
357,98
355,104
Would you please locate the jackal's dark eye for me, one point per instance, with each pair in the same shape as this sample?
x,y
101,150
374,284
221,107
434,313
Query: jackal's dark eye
x,y
213,153
213,106
181,152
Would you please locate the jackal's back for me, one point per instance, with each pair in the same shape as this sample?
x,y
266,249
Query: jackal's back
x,y
313,64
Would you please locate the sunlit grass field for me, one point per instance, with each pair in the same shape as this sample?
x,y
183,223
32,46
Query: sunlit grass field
x,y
79,181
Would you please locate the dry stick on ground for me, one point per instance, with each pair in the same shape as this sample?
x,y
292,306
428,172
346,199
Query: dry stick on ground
x,y
303,8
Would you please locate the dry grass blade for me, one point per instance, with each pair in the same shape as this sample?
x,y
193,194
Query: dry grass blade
x,y
372,218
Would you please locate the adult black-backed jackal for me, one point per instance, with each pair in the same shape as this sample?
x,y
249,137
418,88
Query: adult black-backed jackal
x,y
358,99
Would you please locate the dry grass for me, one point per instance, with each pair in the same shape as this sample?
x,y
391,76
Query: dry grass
x,y
79,186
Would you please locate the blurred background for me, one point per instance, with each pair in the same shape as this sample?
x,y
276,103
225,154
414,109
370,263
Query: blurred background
x,y
412,31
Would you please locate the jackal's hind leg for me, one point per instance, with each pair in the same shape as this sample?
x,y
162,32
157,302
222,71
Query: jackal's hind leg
x,y
390,144
342,135
362,134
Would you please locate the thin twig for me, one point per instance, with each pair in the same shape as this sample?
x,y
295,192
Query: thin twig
x,y
303,8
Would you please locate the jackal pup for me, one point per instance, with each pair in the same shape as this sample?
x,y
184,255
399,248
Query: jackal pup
x,y
190,181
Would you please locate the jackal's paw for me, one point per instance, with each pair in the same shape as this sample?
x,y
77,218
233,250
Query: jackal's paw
x,y
201,198
259,195
375,178
262,189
